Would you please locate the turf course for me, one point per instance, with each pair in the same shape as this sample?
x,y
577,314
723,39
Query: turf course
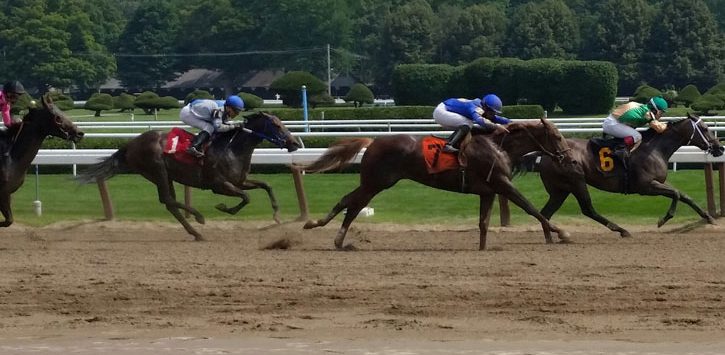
x,y
135,199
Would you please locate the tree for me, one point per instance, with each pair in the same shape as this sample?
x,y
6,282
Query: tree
x,y
465,34
644,93
124,102
688,95
407,37
360,94
546,29
289,86
99,102
621,39
150,32
685,46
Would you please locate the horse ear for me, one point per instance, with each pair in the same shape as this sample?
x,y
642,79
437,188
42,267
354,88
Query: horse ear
x,y
47,101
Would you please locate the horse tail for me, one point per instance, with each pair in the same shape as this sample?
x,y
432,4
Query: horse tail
x,y
526,164
105,169
337,155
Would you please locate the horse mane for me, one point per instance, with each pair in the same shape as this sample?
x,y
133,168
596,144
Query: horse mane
x,y
651,133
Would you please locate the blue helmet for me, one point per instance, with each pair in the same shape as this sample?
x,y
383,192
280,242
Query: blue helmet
x,y
235,102
492,102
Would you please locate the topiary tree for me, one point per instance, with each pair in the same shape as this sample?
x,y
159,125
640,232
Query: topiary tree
x,y
145,100
707,103
62,101
124,102
644,93
24,102
198,94
251,101
322,99
718,89
99,102
360,94
688,95
289,86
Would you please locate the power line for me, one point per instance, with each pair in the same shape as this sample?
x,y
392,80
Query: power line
x,y
232,54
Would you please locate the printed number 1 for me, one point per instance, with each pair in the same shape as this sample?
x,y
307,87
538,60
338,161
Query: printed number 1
x,y
605,159
174,143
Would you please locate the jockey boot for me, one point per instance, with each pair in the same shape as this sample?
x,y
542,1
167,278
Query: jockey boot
x,y
196,145
454,141
623,154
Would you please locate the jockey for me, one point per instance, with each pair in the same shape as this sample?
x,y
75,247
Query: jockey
x,y
207,116
462,114
8,96
623,120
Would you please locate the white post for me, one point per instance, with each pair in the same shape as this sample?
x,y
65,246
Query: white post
x,y
37,205
329,76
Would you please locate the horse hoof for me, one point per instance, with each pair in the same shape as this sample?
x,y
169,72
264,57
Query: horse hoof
x,y
661,222
563,240
625,234
200,219
199,238
710,220
310,225
348,247
564,235
222,207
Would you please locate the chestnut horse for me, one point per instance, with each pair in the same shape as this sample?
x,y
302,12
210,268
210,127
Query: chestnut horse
x,y
25,140
390,159
224,169
647,171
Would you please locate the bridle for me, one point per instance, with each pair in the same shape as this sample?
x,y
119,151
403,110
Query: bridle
x,y
696,128
277,138
558,154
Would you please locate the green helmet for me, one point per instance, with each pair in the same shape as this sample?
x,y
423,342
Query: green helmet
x,y
657,103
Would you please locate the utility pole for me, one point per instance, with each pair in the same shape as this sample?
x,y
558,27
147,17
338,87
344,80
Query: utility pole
x,y
329,76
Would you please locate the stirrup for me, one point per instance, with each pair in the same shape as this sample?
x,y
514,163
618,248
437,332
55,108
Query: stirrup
x,y
193,151
450,149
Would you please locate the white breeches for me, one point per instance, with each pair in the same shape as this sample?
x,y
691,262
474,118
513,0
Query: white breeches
x,y
449,120
614,128
192,120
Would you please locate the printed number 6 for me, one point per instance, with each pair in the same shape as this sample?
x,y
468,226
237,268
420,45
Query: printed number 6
x,y
605,159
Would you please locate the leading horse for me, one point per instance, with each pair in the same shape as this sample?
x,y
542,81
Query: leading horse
x,y
390,159
647,171
224,170
27,138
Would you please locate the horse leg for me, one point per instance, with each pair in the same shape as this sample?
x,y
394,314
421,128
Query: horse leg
x,y
197,215
556,199
656,188
485,203
585,205
161,179
510,192
230,189
686,199
6,210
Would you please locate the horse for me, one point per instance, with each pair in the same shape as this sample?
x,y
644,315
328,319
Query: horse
x,y
224,169
646,175
26,139
487,173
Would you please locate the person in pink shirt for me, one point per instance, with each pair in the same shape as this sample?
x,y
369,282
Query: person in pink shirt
x,y
8,97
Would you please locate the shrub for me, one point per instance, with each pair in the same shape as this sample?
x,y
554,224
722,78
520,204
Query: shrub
x,y
523,111
322,99
360,94
289,86
644,93
587,87
150,102
99,102
688,95
707,103
62,101
251,101
124,102
718,89
197,94
421,84
536,79
24,102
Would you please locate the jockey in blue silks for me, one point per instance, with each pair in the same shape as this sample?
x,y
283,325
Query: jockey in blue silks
x,y
462,114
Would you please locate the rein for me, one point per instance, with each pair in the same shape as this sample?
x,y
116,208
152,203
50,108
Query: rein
x,y
696,128
559,154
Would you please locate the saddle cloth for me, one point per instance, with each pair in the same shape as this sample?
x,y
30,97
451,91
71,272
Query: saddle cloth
x,y
603,150
436,160
177,141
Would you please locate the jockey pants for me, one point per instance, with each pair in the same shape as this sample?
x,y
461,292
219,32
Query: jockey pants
x,y
614,128
192,120
449,120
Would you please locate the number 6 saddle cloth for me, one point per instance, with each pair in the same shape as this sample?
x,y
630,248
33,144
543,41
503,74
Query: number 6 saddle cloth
x,y
603,150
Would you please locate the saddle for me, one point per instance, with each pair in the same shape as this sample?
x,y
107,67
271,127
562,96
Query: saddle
x,y
610,164
177,140
436,160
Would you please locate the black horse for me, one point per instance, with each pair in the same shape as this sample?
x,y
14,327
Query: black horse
x,y
647,172
24,142
224,170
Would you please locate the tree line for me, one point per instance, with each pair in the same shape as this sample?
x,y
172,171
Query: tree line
x,y
81,44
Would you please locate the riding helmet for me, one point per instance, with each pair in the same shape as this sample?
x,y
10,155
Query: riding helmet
x,y
493,102
14,87
235,102
657,103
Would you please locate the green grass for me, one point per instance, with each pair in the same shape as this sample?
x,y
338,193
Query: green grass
x,y
135,199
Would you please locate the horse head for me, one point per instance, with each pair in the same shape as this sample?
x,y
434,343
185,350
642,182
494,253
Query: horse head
x,y
546,136
271,128
695,129
51,121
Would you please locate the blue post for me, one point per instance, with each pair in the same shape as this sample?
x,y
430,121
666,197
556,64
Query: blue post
x,y
304,107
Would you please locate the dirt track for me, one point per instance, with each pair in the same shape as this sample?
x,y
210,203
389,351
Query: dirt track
x,y
144,279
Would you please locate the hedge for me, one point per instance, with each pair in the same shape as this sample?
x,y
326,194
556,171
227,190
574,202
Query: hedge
x,y
251,101
578,87
688,95
62,101
198,94
644,93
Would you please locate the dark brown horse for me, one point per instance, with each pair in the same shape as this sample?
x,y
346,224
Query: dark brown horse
x,y
25,141
647,171
390,159
224,170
